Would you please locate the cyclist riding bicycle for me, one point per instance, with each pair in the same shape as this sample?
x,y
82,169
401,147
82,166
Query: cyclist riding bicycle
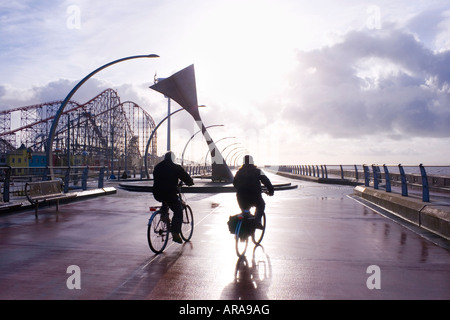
x,y
247,182
165,183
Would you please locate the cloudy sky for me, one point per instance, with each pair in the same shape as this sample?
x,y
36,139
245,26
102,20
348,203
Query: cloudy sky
x,y
294,82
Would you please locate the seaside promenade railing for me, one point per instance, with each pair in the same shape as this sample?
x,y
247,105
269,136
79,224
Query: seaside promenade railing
x,y
417,177
13,179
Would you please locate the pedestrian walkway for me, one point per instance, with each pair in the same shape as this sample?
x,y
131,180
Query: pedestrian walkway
x,y
319,244
433,216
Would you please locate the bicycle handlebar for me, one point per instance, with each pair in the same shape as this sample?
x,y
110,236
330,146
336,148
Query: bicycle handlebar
x,y
181,183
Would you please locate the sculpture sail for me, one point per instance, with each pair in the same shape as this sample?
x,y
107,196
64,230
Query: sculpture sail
x,y
181,88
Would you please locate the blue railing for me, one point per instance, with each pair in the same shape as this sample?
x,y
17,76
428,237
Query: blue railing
x,y
13,179
436,178
377,176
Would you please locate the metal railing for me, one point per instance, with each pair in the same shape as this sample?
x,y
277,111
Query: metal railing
x,y
424,178
13,179
198,170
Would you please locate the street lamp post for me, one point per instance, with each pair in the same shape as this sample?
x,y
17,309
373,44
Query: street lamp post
x,y
151,137
168,114
168,124
192,137
69,96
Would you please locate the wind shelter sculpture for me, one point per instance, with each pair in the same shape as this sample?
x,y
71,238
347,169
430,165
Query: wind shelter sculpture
x,y
181,87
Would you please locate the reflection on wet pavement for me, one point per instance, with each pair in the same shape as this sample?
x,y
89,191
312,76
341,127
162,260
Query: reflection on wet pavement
x,y
318,245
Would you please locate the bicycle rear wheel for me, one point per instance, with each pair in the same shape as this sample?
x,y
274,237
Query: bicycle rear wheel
x,y
241,241
258,234
157,232
187,227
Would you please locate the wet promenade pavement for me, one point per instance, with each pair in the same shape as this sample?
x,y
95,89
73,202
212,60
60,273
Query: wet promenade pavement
x,y
319,244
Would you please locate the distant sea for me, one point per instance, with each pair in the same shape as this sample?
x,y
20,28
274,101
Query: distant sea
x,y
430,170
409,169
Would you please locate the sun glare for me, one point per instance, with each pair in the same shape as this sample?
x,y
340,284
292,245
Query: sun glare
x,y
245,43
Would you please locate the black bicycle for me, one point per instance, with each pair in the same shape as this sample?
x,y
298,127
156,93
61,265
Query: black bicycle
x,y
158,230
247,227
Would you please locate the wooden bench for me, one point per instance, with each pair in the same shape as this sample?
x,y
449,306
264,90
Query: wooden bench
x,y
46,191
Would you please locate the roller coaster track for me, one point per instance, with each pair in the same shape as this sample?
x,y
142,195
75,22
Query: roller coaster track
x,y
103,128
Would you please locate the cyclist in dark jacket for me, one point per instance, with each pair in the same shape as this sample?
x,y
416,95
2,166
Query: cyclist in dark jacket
x,y
165,189
247,182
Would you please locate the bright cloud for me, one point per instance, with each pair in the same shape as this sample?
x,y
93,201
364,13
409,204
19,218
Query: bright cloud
x,y
320,81
373,83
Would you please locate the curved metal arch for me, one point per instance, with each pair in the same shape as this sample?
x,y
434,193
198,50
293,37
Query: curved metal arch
x,y
69,96
151,137
192,137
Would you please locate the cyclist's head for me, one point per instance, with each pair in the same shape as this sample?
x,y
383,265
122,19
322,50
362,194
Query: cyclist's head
x,y
170,156
248,159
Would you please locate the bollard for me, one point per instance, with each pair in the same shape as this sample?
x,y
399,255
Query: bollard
x,y
356,172
67,180
101,176
387,178
425,189
403,179
6,184
84,178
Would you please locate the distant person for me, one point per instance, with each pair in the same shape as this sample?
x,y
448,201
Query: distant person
x,y
166,176
247,182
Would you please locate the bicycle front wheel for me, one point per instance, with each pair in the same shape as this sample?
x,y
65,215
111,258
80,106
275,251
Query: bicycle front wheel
x,y
157,232
187,227
258,234
241,241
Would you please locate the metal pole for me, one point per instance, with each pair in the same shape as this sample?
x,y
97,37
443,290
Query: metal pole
x,y
68,140
425,188
112,176
168,124
404,182
387,178
69,96
192,137
206,155
125,165
150,139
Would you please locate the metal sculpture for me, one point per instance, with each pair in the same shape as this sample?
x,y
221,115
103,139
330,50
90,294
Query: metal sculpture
x,y
181,88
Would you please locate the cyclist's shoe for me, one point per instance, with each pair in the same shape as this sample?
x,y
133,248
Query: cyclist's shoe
x,y
176,237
